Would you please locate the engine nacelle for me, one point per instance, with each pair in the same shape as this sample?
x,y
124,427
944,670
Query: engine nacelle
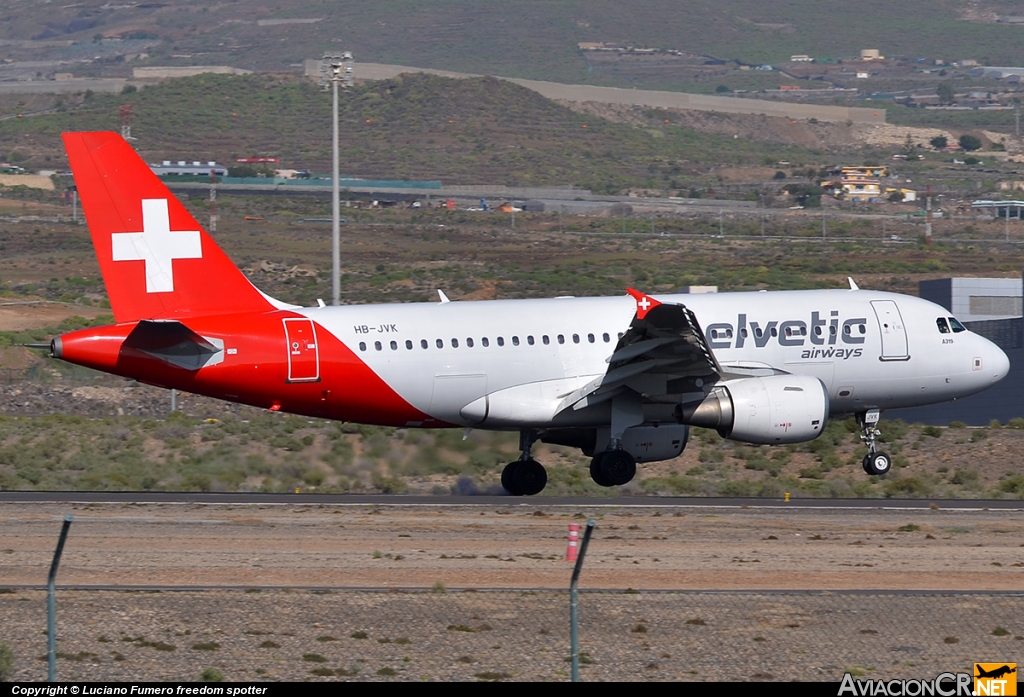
x,y
769,410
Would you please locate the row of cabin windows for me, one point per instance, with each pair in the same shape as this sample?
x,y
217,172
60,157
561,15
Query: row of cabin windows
x,y
485,342
790,331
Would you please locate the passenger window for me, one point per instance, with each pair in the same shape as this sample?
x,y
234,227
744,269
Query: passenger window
x,y
606,337
863,329
832,330
545,339
941,324
408,344
362,345
455,343
758,332
485,342
743,332
575,338
515,341
956,326
775,332
561,339
469,342
440,343
423,343
501,341
394,345
529,339
590,338
376,345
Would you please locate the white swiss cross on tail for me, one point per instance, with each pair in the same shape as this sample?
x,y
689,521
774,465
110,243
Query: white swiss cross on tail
x,y
157,245
644,303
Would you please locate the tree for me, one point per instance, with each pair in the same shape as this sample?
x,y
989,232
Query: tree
x,y
896,197
721,89
779,174
946,93
970,142
908,146
939,142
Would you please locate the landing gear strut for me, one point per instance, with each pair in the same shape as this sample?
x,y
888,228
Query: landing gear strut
x,y
613,467
874,462
525,476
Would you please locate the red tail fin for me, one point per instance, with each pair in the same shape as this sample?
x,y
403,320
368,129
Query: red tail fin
x,y
157,261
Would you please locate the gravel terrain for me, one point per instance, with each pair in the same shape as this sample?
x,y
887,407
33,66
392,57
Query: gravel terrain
x,y
472,593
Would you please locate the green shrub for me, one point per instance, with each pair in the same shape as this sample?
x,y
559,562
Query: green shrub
x,y
212,675
6,663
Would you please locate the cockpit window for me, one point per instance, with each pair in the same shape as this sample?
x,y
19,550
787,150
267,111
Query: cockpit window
x,y
957,327
943,327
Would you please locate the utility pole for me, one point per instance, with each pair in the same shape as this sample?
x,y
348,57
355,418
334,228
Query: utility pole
x,y
125,112
823,232
928,216
335,68
213,200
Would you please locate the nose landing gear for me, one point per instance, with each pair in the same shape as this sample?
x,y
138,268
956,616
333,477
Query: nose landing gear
x,y
875,463
525,476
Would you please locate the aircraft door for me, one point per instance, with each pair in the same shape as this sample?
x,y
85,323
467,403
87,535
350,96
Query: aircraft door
x,y
894,334
303,354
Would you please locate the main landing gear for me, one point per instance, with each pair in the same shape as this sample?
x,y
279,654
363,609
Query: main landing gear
x,y
525,476
875,462
613,467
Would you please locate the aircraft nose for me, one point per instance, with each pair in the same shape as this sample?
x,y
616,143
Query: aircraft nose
x,y
994,363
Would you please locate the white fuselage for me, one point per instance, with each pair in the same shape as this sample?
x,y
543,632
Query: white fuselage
x,y
871,350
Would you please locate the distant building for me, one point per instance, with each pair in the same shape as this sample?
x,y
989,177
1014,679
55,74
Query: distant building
x,y
871,54
183,168
800,58
976,299
858,183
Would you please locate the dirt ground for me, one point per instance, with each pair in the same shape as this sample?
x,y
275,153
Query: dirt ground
x,y
401,593
519,546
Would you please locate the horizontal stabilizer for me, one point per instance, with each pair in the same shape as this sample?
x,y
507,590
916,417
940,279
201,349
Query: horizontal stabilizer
x,y
175,343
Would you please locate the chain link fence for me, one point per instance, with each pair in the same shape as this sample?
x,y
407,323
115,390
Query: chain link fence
x,y
508,635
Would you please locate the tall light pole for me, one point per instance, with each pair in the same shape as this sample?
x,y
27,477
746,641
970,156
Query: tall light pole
x,y
335,68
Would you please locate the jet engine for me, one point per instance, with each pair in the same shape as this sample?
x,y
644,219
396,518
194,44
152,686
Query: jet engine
x,y
768,410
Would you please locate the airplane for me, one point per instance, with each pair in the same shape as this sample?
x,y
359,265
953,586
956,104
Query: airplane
x,y
621,378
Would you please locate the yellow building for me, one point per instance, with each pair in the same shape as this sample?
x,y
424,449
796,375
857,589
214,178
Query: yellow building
x,y
860,183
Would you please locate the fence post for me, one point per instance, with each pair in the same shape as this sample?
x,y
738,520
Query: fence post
x,y
51,603
573,596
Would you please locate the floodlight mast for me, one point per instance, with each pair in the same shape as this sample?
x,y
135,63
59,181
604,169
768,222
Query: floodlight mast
x,y
335,68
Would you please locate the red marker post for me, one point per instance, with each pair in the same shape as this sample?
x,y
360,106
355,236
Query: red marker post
x,y
574,542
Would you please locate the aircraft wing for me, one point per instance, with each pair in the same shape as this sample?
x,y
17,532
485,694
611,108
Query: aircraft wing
x,y
664,357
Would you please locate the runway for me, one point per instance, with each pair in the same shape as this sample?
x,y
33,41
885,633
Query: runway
x,y
315,499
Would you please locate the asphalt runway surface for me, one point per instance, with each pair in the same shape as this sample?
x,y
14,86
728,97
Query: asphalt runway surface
x,y
443,501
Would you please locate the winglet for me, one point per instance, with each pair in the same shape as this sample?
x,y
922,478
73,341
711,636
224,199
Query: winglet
x,y
442,296
853,285
644,303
